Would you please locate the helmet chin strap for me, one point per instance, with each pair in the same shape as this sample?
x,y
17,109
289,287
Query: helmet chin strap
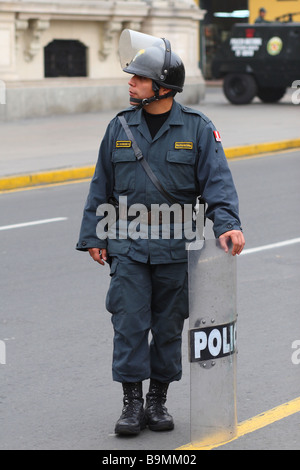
x,y
144,102
141,103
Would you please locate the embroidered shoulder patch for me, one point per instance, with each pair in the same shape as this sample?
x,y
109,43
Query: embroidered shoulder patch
x,y
123,144
184,145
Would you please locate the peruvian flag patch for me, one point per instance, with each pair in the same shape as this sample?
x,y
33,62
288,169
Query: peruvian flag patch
x,y
217,136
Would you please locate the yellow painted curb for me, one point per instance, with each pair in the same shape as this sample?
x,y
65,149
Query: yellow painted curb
x,y
254,424
256,149
48,177
68,174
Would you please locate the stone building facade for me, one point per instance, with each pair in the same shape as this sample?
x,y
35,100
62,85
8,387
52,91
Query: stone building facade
x,y
61,56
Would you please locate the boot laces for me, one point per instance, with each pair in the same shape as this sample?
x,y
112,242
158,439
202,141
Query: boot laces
x,y
131,406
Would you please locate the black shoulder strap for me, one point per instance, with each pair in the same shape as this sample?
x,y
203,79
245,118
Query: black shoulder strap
x,y
144,163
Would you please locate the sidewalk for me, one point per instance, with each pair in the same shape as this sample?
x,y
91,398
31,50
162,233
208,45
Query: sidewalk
x,y
59,148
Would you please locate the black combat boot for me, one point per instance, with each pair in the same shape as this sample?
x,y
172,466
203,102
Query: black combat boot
x,y
132,419
158,418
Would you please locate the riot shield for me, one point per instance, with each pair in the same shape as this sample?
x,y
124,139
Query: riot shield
x,y
212,343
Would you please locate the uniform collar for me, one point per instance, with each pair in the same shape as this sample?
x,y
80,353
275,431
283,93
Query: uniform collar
x,y
137,119
175,118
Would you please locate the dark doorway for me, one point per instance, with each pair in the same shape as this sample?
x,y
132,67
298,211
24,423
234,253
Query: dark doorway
x,y
65,58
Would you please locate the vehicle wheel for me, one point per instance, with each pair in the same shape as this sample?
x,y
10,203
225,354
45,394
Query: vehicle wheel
x,y
239,88
271,95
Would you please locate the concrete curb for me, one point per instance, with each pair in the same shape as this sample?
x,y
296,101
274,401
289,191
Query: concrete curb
x,y
13,182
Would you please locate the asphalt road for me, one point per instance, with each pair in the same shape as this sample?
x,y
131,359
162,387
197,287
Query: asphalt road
x,y
56,389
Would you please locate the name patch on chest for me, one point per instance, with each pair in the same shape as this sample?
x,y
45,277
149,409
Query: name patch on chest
x,y
123,144
184,145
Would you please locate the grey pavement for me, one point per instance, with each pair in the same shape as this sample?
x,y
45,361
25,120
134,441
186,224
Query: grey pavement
x,y
56,389
56,142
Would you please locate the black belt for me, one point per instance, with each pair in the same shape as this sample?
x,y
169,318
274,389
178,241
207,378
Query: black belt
x,y
158,218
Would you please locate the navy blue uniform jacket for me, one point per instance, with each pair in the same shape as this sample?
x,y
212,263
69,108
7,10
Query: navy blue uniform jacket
x,y
188,159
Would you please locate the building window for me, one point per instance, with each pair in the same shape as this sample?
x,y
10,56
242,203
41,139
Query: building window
x,y
65,58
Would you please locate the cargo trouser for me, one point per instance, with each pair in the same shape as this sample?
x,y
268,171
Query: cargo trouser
x,y
147,298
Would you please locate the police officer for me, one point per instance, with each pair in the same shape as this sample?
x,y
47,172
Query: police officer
x,y
262,16
149,286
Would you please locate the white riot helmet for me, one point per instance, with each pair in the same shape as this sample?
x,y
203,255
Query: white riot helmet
x,y
151,57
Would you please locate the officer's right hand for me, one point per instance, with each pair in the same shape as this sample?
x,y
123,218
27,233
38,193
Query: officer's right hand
x,y
99,255
237,239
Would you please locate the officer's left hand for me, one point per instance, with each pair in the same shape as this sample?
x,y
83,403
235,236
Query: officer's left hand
x,y
237,239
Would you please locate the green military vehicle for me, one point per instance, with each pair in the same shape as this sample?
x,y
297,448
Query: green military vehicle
x,y
259,60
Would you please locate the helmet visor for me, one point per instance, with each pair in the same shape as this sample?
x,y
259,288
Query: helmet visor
x,y
133,42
